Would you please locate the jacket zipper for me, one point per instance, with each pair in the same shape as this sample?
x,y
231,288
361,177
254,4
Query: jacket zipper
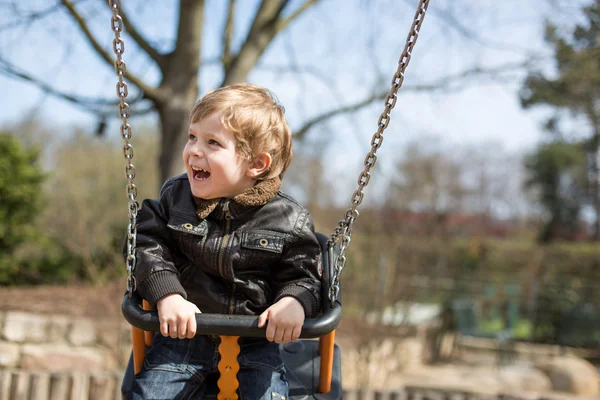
x,y
224,244
225,240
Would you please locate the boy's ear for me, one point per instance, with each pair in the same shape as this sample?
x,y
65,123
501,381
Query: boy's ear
x,y
261,164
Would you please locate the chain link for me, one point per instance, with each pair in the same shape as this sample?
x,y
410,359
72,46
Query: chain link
x,y
342,234
116,23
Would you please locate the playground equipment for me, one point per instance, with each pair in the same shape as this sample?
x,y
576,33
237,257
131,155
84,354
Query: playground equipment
x,y
313,367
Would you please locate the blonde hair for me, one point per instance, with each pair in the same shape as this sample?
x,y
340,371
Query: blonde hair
x,y
256,119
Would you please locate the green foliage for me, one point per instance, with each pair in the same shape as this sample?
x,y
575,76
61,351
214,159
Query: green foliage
x,y
88,215
27,254
577,85
557,172
521,331
72,224
21,198
20,192
42,259
543,282
576,88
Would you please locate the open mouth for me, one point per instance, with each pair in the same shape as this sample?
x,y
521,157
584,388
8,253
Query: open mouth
x,y
200,174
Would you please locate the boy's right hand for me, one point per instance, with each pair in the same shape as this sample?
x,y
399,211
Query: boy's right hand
x,y
177,316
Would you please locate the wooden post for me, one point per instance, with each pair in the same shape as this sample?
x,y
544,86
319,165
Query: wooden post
x,y
5,383
40,386
20,385
60,387
101,387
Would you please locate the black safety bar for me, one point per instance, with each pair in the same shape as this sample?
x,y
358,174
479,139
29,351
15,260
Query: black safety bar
x,y
244,325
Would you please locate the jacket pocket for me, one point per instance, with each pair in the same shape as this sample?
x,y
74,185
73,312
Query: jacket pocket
x,y
184,224
188,235
261,248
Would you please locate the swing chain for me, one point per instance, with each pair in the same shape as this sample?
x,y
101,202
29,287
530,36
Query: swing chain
x,y
342,234
116,23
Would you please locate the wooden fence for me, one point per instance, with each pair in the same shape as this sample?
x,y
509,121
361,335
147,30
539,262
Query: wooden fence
x,y
22,385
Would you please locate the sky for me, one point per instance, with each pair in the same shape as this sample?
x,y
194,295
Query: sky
x,y
353,44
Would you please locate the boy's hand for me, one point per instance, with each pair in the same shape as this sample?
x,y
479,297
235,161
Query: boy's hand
x,y
177,316
285,320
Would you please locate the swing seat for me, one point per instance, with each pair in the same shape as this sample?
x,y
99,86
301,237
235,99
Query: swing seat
x,y
301,357
302,361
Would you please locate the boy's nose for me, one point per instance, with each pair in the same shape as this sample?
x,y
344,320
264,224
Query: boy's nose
x,y
197,151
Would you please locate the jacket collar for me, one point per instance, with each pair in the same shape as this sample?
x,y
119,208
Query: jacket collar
x,y
257,195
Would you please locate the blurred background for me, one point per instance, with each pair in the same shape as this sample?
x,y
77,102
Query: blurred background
x,y
475,261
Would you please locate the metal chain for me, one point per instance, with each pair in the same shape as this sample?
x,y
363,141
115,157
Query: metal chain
x,y
116,23
343,232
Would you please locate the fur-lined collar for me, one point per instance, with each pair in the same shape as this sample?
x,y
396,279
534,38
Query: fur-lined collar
x,y
257,195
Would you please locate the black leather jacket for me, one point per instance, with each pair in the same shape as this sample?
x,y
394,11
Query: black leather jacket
x,y
240,259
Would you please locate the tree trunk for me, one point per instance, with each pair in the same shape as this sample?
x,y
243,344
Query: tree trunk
x,y
594,118
181,92
174,124
179,88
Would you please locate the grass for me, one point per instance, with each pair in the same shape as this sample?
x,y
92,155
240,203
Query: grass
x,y
522,330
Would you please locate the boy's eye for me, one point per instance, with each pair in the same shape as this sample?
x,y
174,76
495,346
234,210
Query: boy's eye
x,y
191,137
214,142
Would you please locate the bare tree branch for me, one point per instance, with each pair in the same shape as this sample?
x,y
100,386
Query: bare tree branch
x,y
264,28
11,70
160,59
453,21
30,17
300,133
283,23
149,91
189,34
261,32
228,34
96,106
298,69
446,83
294,64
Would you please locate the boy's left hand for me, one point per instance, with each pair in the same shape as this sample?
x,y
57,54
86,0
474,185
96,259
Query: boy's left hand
x,y
286,318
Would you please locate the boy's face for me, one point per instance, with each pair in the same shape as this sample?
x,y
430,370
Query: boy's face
x,y
213,166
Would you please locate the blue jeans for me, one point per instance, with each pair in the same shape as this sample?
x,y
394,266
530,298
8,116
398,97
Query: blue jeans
x,y
178,369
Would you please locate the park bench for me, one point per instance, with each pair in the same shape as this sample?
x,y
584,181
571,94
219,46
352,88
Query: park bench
x,y
466,322
579,327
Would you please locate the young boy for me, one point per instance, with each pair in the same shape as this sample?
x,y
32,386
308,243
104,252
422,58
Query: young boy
x,y
222,239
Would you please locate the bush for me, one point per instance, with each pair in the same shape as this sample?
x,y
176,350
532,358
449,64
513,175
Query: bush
x,y
71,220
21,199
87,205
545,282
42,261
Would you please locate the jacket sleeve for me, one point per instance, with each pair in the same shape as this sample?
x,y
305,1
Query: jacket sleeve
x,y
299,273
155,271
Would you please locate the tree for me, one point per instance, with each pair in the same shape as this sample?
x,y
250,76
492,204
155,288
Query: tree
x,y
21,197
557,171
176,61
178,88
429,182
575,88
